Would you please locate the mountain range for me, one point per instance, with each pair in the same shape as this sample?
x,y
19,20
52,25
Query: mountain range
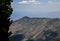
x,y
35,29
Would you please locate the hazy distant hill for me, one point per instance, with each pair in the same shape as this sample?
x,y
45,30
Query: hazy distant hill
x,y
36,29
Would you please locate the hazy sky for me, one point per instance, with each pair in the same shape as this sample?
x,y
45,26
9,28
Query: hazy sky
x,y
36,8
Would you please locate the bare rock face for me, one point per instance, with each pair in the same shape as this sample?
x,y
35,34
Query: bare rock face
x,y
36,29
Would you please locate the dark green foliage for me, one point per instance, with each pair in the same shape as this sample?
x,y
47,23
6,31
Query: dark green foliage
x,y
18,37
5,12
56,39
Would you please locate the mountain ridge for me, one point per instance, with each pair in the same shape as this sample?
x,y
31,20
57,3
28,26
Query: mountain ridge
x,y
43,29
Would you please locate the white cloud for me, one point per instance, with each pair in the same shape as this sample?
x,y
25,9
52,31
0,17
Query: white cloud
x,y
29,2
49,6
23,2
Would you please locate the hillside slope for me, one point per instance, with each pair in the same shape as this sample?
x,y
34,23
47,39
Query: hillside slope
x,y
37,29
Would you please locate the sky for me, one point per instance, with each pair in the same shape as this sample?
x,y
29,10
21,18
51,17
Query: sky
x,y
35,8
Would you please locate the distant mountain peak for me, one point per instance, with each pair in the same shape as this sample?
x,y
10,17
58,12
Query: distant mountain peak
x,y
44,29
25,17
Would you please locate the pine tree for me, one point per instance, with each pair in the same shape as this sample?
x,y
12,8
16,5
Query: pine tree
x,y
5,13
